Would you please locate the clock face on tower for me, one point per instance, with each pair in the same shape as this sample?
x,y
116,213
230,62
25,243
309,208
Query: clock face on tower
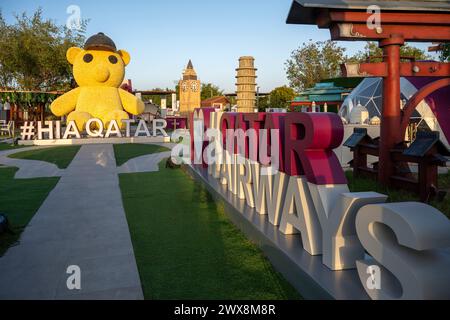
x,y
194,86
184,86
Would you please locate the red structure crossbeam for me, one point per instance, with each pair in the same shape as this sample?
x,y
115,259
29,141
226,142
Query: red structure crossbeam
x,y
386,18
409,32
407,69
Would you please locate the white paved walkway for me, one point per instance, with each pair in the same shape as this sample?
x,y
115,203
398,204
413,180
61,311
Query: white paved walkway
x,y
29,168
82,222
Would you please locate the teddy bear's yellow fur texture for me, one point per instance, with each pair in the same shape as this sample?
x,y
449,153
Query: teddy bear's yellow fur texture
x,y
99,74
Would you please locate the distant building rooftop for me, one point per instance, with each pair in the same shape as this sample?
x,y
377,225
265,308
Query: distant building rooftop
x,y
154,92
215,102
321,93
347,83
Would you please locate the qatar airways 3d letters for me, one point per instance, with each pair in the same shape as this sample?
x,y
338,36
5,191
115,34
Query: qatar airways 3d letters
x,y
283,165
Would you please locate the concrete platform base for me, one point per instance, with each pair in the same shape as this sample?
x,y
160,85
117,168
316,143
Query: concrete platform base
x,y
60,142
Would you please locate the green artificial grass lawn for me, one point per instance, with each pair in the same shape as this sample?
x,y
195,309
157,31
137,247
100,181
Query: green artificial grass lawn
x,y
127,151
19,201
186,247
396,195
61,156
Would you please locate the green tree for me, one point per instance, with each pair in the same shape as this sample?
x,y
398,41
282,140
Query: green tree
x,y
263,103
313,62
33,53
210,90
177,90
372,51
280,97
445,53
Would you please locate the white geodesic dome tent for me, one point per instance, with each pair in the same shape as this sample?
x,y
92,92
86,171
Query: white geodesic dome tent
x,y
369,93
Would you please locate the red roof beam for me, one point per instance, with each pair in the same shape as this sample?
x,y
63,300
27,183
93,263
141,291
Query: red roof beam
x,y
389,17
374,69
407,69
414,33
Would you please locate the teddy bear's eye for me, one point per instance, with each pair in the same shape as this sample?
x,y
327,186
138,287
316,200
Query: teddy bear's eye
x,y
88,58
112,59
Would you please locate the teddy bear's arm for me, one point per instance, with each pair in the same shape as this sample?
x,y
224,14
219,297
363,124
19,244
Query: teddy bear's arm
x,y
130,103
65,103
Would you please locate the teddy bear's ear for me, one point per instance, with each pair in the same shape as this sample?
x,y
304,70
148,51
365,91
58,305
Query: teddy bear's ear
x,y
72,53
125,56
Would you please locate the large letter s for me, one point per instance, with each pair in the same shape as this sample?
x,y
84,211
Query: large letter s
x,y
411,241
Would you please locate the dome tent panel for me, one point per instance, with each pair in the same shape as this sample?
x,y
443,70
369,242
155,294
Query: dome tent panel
x,y
432,110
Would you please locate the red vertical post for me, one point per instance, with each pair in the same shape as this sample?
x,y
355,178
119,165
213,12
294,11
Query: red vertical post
x,y
390,133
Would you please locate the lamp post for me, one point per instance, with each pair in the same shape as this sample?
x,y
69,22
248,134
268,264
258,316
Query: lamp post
x,y
257,99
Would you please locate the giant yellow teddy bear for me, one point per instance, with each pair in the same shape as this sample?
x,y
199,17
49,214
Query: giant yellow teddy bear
x,y
99,69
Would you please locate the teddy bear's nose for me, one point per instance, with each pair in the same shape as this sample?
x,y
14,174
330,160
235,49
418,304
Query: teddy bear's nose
x,y
101,74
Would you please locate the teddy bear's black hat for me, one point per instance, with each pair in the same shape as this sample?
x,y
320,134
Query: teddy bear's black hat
x,y
100,41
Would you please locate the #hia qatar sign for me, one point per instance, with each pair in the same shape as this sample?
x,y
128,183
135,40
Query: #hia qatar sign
x,y
283,166
52,130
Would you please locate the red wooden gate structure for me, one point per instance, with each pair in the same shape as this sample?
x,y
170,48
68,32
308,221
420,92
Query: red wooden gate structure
x,y
400,21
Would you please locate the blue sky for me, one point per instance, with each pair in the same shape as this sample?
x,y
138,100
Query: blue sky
x,y
162,35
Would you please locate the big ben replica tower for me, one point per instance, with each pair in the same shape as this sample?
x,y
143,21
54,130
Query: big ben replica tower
x,y
189,88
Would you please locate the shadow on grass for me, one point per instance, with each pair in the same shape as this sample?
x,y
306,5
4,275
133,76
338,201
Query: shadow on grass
x,y
186,247
127,151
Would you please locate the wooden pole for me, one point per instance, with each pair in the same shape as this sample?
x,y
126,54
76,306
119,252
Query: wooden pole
x,y
42,106
390,133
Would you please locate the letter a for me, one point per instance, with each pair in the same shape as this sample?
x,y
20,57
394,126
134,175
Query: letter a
x,y
74,280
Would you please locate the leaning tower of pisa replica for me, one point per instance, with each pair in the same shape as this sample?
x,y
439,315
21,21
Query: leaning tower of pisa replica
x,y
246,84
